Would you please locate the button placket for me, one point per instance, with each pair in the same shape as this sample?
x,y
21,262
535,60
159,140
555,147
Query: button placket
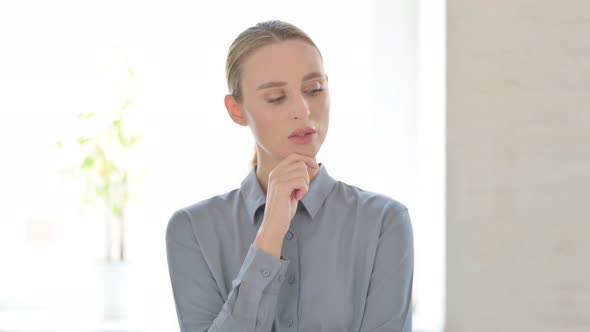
x,y
288,314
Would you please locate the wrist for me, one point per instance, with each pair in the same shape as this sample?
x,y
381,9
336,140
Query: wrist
x,y
272,228
271,241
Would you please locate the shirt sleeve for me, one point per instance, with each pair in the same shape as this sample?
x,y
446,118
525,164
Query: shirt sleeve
x,y
251,303
389,298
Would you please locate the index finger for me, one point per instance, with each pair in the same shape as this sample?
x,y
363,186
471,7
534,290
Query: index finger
x,y
309,161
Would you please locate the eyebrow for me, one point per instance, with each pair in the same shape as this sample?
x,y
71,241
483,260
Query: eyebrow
x,y
274,84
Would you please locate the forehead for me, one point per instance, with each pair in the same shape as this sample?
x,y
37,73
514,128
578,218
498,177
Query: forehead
x,y
286,61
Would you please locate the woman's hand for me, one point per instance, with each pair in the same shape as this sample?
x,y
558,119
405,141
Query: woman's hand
x,y
287,184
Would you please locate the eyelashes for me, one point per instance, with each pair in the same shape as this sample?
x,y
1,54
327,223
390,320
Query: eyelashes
x,y
275,100
278,100
314,92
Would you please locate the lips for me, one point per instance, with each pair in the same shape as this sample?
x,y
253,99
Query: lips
x,y
302,131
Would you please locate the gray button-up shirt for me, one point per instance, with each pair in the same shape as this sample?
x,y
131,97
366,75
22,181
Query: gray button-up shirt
x,y
347,265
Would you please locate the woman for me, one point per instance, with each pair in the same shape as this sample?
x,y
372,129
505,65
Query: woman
x,y
291,249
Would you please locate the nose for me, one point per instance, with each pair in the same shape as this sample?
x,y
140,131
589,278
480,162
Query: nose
x,y
300,107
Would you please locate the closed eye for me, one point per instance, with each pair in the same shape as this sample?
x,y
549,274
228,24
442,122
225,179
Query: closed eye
x,y
275,100
314,91
278,100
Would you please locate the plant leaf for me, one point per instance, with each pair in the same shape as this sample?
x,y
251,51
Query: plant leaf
x,y
88,163
86,115
133,139
117,210
84,140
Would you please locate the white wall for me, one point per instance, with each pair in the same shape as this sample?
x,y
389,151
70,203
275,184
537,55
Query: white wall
x,y
518,166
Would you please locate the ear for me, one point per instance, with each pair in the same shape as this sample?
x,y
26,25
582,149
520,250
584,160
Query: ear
x,y
234,109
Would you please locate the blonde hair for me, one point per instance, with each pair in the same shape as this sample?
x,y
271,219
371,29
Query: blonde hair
x,y
250,40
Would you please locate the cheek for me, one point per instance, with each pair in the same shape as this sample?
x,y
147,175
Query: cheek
x,y
323,114
321,106
266,126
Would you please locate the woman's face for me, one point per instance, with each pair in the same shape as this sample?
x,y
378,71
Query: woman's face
x,y
284,88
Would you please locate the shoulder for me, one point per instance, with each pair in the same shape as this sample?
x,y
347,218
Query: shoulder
x,y
213,205
370,200
380,212
188,217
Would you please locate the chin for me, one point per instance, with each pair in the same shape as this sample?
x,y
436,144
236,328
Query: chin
x,y
311,151
305,150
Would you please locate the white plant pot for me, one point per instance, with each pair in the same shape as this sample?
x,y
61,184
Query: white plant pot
x,y
112,290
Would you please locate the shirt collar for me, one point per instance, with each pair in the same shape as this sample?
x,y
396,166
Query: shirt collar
x,y
319,189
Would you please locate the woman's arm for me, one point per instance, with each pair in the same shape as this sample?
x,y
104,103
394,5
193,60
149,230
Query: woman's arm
x,y
389,299
251,304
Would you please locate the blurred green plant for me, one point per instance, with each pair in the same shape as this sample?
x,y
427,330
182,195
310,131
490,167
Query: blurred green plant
x,y
102,147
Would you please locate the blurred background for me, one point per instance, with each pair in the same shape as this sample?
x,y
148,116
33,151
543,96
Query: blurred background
x,y
472,113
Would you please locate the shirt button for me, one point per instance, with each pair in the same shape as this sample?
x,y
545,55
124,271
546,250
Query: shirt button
x,y
265,273
289,235
290,322
291,279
